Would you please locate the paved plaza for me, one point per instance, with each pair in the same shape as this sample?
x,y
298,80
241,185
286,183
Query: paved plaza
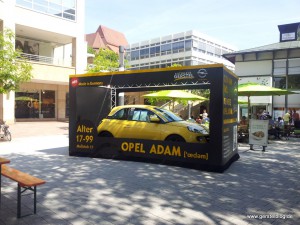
x,y
259,188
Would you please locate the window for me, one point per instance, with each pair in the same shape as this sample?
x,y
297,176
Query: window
x,y
280,82
65,9
27,105
294,82
135,55
294,66
121,115
279,67
141,115
210,49
166,47
48,104
178,45
40,104
144,53
155,51
188,45
202,46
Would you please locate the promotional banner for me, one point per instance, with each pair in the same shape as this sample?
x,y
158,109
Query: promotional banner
x,y
258,132
100,126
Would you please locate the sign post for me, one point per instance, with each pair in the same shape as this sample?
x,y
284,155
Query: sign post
x,y
258,133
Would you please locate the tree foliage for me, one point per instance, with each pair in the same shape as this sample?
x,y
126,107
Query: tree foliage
x,y
14,69
175,65
105,60
91,50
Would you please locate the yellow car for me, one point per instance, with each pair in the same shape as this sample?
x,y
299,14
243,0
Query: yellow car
x,y
150,123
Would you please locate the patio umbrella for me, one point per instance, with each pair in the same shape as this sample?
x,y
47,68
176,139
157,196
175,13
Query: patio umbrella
x,y
25,98
242,102
175,95
254,89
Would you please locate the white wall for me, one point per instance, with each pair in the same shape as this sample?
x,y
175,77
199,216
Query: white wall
x,y
253,68
266,80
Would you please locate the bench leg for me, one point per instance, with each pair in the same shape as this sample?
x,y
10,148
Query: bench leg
x,y
19,202
20,191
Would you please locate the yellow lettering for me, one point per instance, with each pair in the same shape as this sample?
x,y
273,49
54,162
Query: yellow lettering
x,y
124,146
153,149
84,129
142,150
225,88
160,149
131,146
79,129
176,151
137,147
167,150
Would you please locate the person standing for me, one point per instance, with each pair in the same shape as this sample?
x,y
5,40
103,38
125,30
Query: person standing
x,y
295,116
286,118
204,114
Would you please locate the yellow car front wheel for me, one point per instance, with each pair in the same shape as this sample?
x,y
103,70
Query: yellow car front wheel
x,y
105,134
175,138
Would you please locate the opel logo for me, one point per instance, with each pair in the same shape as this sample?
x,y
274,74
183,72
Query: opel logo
x,y
202,73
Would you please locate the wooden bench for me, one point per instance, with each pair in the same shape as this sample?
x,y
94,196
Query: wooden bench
x,y
25,182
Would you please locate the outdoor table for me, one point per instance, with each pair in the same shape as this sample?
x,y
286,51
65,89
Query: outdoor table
x,y
2,161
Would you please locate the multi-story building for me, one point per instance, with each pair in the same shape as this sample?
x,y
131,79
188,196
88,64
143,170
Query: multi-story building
x,y
51,37
186,48
276,65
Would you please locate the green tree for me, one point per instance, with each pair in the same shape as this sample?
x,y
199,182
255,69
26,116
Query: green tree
x,y
91,50
14,69
105,60
175,65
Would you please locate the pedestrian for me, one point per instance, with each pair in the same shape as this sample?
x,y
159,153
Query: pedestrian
x,y
204,114
295,116
286,118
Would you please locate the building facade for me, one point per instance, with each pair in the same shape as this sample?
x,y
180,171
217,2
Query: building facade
x,y
276,65
51,36
186,48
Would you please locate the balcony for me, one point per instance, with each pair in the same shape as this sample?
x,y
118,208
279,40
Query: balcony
x,y
47,60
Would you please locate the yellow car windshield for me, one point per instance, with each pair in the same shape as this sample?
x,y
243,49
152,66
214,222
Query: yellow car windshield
x,y
168,115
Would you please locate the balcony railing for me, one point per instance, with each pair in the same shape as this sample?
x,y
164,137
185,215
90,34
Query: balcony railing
x,y
48,60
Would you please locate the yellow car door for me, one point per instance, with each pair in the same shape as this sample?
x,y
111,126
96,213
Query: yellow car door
x,y
139,125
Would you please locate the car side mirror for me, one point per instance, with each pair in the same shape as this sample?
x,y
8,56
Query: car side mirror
x,y
154,119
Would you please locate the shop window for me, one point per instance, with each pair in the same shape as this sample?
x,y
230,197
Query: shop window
x,y
26,105
48,104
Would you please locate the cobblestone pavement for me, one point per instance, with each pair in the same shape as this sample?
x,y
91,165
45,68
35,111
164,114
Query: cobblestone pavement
x,y
259,188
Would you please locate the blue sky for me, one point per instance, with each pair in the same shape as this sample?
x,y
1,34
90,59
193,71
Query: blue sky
x,y
241,23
